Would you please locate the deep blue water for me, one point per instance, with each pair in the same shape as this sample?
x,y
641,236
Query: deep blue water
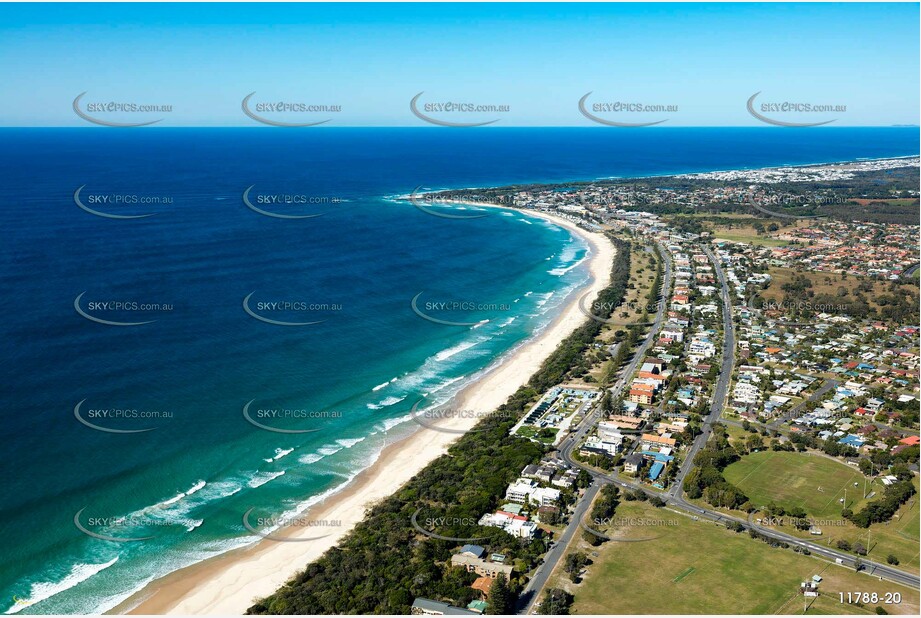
x,y
358,370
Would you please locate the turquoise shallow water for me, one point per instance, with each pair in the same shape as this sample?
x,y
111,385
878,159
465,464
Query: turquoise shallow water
x,y
353,376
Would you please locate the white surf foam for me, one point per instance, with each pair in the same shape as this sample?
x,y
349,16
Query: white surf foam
x,y
194,488
559,272
311,458
41,591
455,350
383,385
261,478
191,524
279,453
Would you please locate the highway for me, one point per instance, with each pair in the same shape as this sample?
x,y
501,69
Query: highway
x,y
674,497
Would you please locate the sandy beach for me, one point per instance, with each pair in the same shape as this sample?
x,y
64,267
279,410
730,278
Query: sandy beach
x,y
228,584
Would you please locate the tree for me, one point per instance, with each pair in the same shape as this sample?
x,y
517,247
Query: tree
x,y
575,561
891,559
754,443
556,603
550,517
607,403
591,538
501,600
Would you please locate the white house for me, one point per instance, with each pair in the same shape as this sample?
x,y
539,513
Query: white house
x,y
519,490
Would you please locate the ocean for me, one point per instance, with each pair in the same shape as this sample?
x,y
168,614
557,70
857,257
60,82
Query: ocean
x,y
177,357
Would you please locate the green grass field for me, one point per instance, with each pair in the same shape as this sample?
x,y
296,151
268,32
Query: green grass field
x,y
748,236
898,537
812,482
699,567
792,479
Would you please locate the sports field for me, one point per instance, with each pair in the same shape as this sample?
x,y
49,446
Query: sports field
x,y
813,482
698,567
817,484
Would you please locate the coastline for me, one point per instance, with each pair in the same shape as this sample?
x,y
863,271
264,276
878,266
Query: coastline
x,y
229,583
657,175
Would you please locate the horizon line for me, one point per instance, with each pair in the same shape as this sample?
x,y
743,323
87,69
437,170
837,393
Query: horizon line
x,y
492,127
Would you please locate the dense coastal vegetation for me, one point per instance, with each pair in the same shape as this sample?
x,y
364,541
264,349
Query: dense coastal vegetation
x,y
385,562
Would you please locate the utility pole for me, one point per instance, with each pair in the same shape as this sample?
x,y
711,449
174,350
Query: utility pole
x,y
873,473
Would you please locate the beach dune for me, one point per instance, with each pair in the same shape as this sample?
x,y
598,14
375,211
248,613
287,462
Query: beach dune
x,y
229,584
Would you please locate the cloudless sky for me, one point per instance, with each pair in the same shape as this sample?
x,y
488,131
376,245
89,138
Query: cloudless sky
x,y
538,59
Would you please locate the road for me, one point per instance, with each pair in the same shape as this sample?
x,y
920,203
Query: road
x,y
534,587
794,412
674,497
721,390
529,595
875,569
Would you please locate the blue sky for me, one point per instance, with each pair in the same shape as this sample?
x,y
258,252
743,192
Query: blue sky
x,y
538,59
